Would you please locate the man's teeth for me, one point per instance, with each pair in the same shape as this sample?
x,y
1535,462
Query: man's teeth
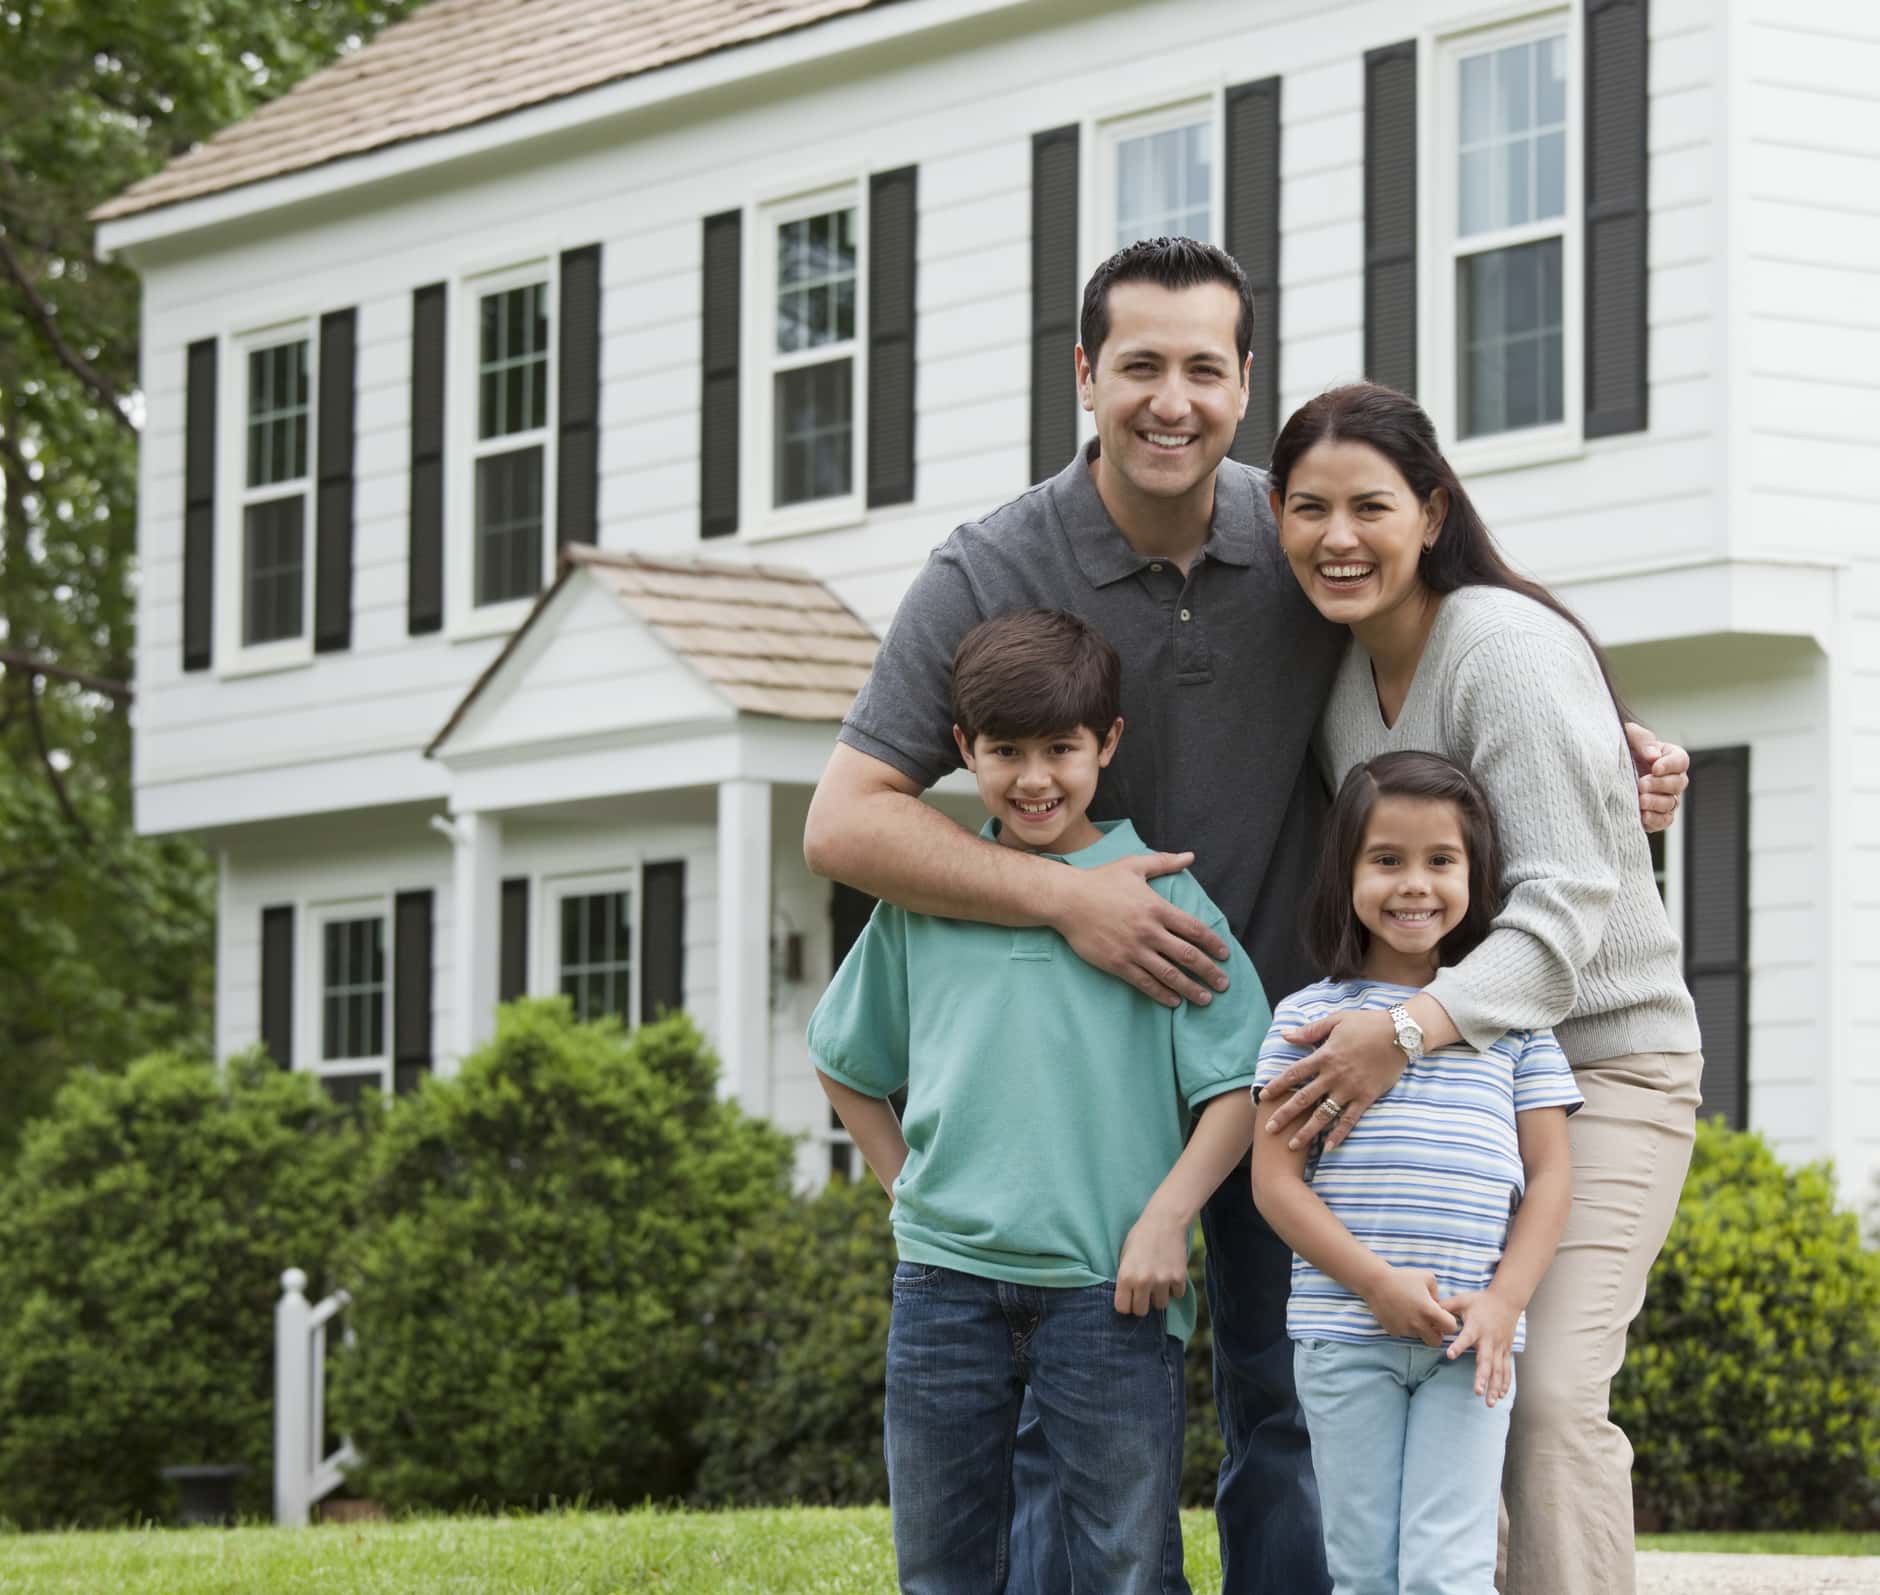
x,y
1341,573
1167,440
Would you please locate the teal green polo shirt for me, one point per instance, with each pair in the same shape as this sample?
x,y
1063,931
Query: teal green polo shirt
x,y
1046,1100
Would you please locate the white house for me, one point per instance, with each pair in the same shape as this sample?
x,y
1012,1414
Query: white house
x,y
792,284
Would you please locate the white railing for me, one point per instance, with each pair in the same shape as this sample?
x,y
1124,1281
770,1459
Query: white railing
x,y
301,1475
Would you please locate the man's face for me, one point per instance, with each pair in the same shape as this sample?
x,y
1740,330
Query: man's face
x,y
1168,388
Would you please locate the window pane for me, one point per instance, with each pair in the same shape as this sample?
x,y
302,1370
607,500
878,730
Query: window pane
x,y
1511,122
814,427
1550,177
1162,185
509,525
512,365
816,260
278,387
1553,82
273,569
352,988
1475,90
596,953
1509,340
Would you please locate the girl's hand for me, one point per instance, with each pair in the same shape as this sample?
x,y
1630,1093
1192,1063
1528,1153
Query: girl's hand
x,y
1357,1061
1488,1324
1404,1301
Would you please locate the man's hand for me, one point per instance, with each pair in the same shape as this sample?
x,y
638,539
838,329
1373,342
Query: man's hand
x,y
1404,1301
1117,922
1154,1267
1663,774
1488,1324
1357,1061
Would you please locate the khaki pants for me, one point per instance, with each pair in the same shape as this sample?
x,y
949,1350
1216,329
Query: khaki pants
x,y
1567,1482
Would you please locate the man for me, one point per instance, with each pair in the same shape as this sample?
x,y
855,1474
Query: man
x,y
1169,549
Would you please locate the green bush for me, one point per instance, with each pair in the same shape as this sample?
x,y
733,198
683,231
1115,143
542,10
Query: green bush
x,y
1751,1390
526,1276
143,1232
796,1346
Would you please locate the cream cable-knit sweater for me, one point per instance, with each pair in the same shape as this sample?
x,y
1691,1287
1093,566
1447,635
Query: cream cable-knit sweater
x,y
1509,689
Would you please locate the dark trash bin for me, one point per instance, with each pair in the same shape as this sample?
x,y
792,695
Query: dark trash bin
x,y
207,1491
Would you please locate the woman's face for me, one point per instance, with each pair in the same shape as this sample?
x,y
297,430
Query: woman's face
x,y
1353,530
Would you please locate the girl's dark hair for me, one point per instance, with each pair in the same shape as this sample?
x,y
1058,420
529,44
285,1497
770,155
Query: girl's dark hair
x,y
1335,937
1464,553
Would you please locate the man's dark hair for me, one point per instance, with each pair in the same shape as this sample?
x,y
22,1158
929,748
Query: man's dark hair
x,y
1335,937
1168,263
1033,673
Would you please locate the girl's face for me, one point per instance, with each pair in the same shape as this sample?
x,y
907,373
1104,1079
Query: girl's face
x,y
1410,885
1353,530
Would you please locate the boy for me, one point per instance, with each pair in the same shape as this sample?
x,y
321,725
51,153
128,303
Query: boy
x,y
1043,1197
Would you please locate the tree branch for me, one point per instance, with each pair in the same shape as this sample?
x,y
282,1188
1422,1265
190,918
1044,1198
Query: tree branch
x,y
118,691
43,313
52,770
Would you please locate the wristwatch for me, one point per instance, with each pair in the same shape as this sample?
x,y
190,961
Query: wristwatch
x,y
1409,1033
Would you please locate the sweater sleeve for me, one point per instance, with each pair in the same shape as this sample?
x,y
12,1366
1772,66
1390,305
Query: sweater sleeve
x,y
1531,717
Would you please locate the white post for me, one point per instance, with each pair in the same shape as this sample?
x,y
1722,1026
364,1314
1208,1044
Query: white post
x,y
744,941
476,945
293,1389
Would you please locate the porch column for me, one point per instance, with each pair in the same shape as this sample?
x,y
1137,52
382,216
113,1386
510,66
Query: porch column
x,y
475,925
744,941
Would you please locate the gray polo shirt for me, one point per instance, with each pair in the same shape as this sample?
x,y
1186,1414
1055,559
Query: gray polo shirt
x,y
1224,674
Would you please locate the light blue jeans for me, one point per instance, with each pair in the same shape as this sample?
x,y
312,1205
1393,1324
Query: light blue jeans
x,y
1408,1458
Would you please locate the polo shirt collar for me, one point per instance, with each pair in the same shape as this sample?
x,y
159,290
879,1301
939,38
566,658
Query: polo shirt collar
x,y
1119,840
1105,555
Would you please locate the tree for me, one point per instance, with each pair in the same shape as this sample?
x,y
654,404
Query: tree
x,y
108,947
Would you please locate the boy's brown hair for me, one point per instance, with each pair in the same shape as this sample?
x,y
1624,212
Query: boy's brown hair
x,y
1035,672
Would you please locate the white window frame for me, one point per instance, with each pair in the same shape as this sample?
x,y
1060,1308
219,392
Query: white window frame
x,y
831,1136
463,448
233,496
551,891
1106,133
759,517
1439,134
315,917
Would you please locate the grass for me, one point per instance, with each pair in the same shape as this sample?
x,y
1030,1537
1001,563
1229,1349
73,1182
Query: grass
x,y
801,1552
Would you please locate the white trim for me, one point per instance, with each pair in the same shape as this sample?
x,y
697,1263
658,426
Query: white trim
x,y
1439,63
549,891
759,519
310,980
233,495
464,618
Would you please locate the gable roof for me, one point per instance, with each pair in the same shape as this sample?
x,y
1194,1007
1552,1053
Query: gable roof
x,y
770,640
453,63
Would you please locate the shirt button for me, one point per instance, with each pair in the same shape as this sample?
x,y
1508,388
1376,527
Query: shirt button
x,y
1156,568
1185,615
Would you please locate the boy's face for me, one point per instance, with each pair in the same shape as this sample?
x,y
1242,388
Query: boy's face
x,y
1039,788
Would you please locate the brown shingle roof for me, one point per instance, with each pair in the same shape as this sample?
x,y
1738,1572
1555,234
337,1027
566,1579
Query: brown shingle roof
x,y
770,640
457,62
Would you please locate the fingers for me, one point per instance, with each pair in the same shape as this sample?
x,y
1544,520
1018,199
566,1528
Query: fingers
x,y
1346,1122
1159,1296
1149,981
1195,946
1310,1035
1151,864
1121,1299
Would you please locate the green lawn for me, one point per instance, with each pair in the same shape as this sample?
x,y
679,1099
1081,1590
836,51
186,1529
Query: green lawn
x,y
573,1553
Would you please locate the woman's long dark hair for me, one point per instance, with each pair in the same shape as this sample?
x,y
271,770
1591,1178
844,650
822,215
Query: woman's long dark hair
x,y
1464,553
1335,937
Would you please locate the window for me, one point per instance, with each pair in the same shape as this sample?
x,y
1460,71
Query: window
x,y
593,950
512,441
1511,176
274,571
346,1029
1156,175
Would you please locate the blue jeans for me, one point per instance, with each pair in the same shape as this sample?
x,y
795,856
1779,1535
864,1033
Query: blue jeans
x,y
962,1353
1266,1502
1416,1454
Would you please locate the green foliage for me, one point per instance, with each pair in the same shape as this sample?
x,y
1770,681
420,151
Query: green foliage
x,y
796,1353
1751,1390
142,1238
535,1234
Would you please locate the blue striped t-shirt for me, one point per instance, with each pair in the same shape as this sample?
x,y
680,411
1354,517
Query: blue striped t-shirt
x,y
1430,1176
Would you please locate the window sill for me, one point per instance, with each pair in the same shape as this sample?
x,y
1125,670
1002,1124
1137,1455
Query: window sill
x,y
491,620
1514,451
266,659
801,520
329,1068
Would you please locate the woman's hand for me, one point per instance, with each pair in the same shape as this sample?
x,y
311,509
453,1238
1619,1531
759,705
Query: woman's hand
x,y
1488,1324
1403,1300
1357,1061
1662,776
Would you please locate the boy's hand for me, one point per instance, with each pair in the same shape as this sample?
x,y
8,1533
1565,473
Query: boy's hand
x,y
1117,922
1488,1324
1404,1302
1154,1267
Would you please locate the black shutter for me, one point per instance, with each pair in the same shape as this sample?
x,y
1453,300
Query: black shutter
x,y
1716,923
199,506
424,605
1053,299
892,227
1390,216
333,500
512,964
1253,240
277,983
662,939
411,993
718,398
578,455
1617,101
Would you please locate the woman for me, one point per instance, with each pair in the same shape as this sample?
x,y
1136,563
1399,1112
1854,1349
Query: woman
x,y
1454,653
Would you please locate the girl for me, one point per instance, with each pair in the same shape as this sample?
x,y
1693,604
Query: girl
x,y
1405,1257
